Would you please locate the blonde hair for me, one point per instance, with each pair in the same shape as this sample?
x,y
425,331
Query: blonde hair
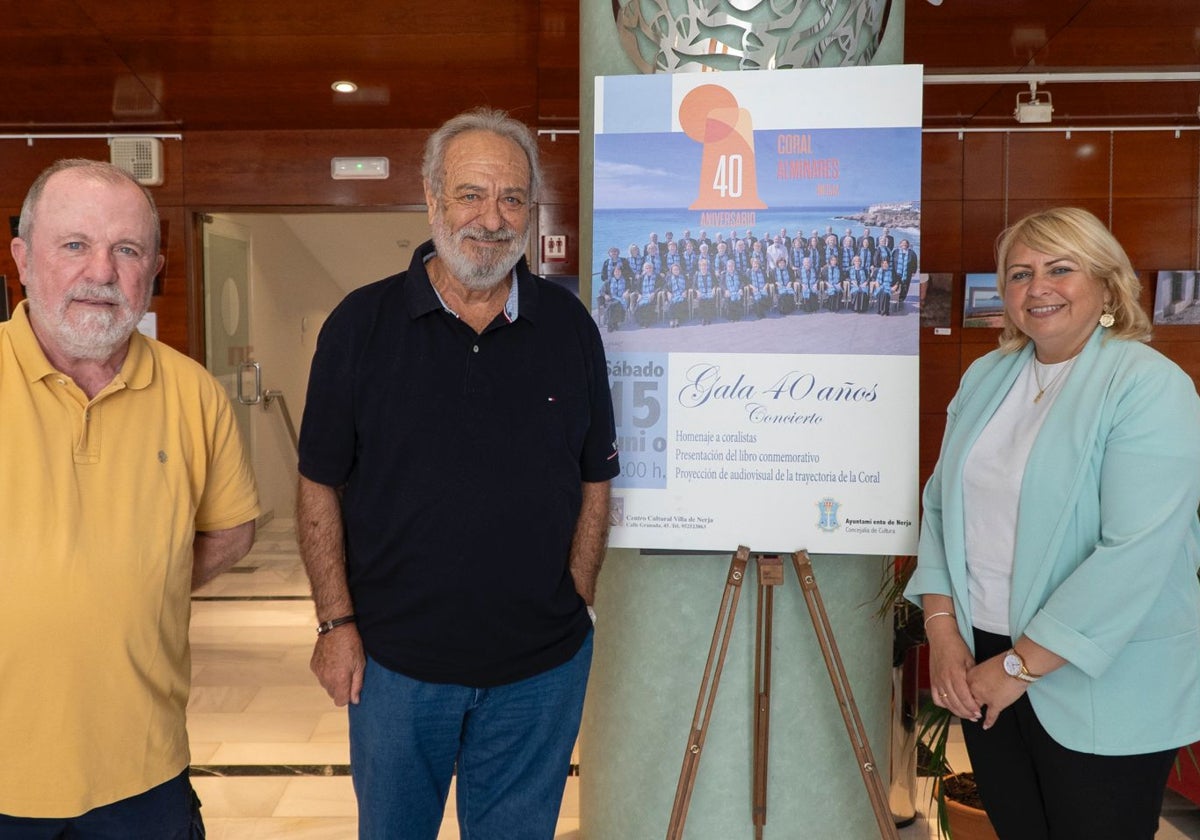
x,y
1079,235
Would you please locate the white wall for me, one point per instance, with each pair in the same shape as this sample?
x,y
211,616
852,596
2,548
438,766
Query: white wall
x,y
302,265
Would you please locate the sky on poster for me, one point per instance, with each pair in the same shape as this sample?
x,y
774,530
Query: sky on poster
x,y
868,97
871,126
634,171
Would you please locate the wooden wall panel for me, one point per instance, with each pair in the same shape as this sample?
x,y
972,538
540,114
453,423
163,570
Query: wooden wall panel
x,y
1050,166
1157,232
172,305
941,234
941,168
981,222
21,162
1186,354
230,169
929,435
984,341
983,166
1155,163
1097,205
558,209
940,372
559,156
558,63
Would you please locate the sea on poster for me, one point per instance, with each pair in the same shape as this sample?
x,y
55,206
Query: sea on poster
x,y
762,326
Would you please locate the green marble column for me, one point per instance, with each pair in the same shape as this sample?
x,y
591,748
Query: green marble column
x,y
656,620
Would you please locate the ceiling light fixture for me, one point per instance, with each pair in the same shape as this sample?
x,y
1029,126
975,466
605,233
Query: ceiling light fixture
x,y
344,87
1031,108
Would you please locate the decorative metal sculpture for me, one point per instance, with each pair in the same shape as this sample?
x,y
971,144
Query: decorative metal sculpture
x,y
674,36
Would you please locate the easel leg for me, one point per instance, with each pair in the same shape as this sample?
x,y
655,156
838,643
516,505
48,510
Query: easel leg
x,y
708,694
770,575
845,698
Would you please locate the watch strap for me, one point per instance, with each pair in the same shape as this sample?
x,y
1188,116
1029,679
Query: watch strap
x,y
1024,675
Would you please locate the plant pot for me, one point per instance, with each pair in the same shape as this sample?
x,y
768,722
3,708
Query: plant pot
x,y
966,821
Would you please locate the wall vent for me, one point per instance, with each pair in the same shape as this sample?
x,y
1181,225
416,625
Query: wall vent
x,y
141,157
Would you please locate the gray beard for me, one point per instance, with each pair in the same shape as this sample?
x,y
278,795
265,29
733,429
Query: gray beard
x,y
94,336
477,275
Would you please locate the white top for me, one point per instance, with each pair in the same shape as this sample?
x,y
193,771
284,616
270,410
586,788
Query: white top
x,y
992,489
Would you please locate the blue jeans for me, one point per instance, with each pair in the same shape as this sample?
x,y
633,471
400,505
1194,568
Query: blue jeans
x,y
512,746
169,811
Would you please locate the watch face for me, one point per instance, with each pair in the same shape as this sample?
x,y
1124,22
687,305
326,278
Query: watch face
x,y
1012,665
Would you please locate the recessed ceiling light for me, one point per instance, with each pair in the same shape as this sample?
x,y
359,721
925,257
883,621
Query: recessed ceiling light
x,y
344,87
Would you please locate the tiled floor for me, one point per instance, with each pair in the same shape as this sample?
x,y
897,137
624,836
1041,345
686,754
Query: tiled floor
x,y
270,753
269,748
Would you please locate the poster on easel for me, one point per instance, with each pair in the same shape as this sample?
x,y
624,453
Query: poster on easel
x,y
755,275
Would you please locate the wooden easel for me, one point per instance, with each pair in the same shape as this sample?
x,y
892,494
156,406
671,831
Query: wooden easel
x,y
770,575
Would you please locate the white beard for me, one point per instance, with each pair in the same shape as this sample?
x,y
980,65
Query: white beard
x,y
477,274
90,335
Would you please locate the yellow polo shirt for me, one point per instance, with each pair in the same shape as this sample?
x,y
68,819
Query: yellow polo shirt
x,y
100,501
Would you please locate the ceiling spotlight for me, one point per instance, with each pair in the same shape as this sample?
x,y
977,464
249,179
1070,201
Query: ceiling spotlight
x,y
1032,108
344,87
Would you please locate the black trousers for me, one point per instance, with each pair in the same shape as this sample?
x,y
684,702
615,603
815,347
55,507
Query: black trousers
x,y
1036,789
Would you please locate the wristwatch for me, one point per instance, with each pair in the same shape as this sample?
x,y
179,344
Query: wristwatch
x,y
1014,666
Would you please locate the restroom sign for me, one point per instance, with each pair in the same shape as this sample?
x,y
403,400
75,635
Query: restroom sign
x,y
554,248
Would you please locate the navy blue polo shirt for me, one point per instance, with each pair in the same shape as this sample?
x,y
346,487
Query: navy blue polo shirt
x,y
461,456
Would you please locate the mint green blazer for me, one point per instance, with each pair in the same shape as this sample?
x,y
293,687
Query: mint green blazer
x,y
1107,544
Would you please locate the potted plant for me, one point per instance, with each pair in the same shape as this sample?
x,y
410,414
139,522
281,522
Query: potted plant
x,y
960,814
959,810
955,797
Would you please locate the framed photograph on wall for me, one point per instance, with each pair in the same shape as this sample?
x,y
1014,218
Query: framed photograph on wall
x,y
982,304
936,295
1176,297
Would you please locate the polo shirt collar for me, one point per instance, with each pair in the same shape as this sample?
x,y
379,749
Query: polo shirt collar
x,y
423,298
137,371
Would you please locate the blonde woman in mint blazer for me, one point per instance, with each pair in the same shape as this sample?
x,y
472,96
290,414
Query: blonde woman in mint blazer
x,y
1060,543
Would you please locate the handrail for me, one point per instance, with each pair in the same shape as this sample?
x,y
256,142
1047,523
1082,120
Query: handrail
x,y
270,396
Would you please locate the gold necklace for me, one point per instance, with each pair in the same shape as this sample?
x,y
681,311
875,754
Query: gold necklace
x,y
1038,379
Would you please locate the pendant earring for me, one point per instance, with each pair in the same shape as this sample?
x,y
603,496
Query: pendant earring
x,y
1107,319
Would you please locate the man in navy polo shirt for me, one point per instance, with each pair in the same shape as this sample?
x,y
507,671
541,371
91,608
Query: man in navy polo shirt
x,y
455,459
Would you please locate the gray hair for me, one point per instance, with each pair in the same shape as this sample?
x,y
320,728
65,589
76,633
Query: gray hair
x,y
97,170
479,119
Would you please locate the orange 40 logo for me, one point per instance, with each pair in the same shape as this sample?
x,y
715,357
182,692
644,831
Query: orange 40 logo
x,y
710,115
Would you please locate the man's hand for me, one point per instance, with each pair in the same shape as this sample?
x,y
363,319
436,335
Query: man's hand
x,y
339,662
